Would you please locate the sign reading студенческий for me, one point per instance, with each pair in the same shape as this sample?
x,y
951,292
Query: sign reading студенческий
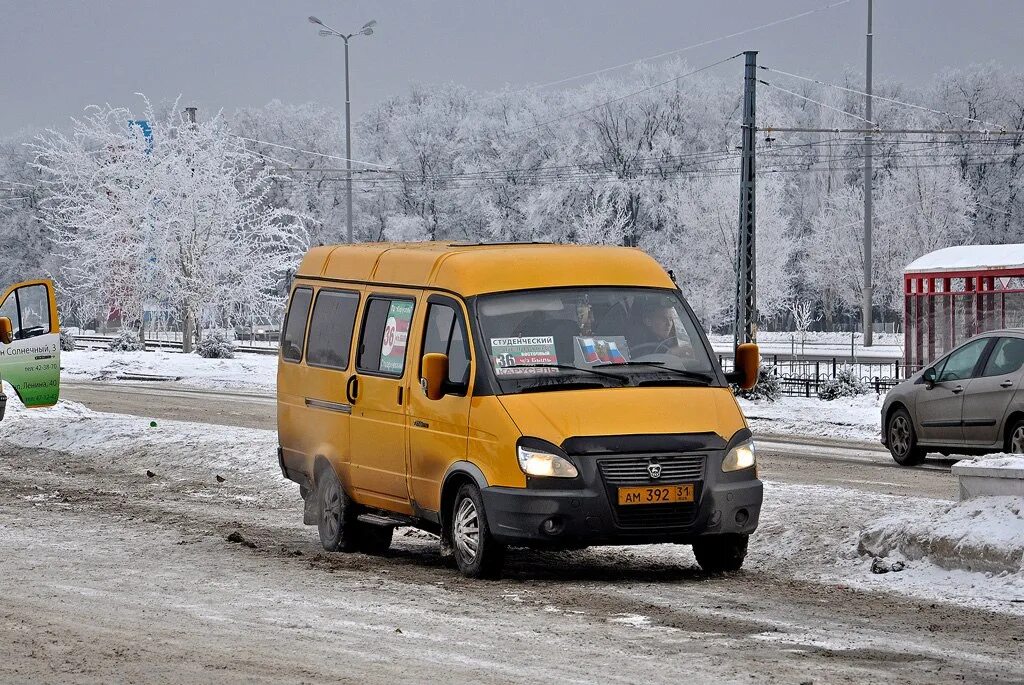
x,y
524,355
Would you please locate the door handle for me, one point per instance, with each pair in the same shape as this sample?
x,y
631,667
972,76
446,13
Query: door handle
x,y
352,389
420,424
958,389
1005,384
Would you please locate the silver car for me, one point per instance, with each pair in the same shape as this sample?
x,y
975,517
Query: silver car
x,y
967,402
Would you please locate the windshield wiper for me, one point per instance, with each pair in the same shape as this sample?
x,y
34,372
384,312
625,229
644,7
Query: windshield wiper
x,y
569,367
567,385
660,366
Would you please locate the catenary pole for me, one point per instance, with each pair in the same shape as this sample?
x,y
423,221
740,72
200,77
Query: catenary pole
x,y
867,297
348,149
745,326
188,323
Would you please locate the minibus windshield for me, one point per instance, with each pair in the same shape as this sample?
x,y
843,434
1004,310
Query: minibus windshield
x,y
569,338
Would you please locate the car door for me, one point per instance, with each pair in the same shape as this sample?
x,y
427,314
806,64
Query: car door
x,y
939,408
438,432
30,361
377,393
988,396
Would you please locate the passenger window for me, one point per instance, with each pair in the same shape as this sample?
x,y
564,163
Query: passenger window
x,y
330,330
295,325
1007,357
961,363
445,333
28,308
385,336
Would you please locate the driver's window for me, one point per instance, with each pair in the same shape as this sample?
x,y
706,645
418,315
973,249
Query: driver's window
x,y
28,308
960,365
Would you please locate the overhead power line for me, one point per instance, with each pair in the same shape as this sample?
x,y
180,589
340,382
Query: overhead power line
x,y
703,43
820,104
312,152
894,101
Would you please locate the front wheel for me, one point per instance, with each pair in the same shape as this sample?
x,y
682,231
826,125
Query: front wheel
x,y
902,440
721,553
477,554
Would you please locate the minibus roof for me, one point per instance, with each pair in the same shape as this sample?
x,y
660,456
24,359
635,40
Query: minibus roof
x,y
475,268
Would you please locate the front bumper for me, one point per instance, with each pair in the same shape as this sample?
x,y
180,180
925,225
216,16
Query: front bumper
x,y
588,515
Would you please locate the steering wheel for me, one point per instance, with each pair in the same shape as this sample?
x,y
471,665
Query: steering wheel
x,y
655,348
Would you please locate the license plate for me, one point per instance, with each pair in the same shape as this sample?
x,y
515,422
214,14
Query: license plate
x,y
656,494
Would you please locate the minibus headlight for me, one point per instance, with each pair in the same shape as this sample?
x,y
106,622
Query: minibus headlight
x,y
541,464
740,457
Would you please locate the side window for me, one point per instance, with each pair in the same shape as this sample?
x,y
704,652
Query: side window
x,y
446,333
330,330
28,308
385,336
295,325
1007,357
961,363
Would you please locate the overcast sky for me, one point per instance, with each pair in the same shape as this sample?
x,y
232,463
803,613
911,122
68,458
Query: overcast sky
x,y
56,57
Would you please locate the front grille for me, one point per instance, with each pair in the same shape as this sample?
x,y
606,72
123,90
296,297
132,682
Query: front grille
x,y
633,470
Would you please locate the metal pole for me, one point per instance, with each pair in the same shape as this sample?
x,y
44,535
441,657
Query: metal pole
x,y
745,327
868,318
348,147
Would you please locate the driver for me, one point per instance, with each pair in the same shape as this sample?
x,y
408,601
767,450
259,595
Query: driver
x,y
655,328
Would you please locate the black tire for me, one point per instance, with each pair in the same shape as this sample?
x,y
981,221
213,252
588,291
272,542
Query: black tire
x,y
902,440
477,553
721,553
371,539
335,513
1015,438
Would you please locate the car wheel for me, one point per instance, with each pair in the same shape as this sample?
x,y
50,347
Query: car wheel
x,y
721,553
1015,442
371,539
477,554
336,519
902,441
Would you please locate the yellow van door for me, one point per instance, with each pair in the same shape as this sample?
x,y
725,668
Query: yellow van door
x,y
378,396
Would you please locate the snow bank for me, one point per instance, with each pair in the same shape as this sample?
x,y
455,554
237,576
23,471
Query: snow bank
x,y
256,372
981,534
849,418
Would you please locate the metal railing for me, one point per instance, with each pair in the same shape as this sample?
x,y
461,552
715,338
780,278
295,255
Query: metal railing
x,y
804,378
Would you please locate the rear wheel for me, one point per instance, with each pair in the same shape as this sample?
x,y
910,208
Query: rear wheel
x,y
902,440
721,553
477,554
336,520
1015,441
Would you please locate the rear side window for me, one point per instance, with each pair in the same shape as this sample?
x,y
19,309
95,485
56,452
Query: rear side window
x,y
445,333
330,330
1007,357
385,336
295,325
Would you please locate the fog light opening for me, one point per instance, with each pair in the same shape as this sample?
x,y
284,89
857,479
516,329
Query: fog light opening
x,y
552,526
742,516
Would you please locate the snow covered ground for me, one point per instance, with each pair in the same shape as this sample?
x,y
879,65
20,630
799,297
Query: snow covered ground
x,y
808,532
886,345
848,418
256,372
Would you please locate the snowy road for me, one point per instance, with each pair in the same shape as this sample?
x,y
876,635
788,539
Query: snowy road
x,y
832,462
110,574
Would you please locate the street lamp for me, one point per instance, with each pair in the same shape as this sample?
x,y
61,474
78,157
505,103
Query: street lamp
x,y
366,30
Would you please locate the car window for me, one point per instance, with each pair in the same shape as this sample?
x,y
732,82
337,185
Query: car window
x,y
1007,357
385,335
960,365
295,325
445,333
330,330
28,308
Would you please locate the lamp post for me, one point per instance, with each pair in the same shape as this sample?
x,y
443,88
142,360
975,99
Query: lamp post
x,y
366,30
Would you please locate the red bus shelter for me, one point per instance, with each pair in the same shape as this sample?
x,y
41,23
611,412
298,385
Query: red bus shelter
x,y
955,293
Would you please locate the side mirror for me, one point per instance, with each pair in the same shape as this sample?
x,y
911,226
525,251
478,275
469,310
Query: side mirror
x,y
6,331
435,373
747,363
929,377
